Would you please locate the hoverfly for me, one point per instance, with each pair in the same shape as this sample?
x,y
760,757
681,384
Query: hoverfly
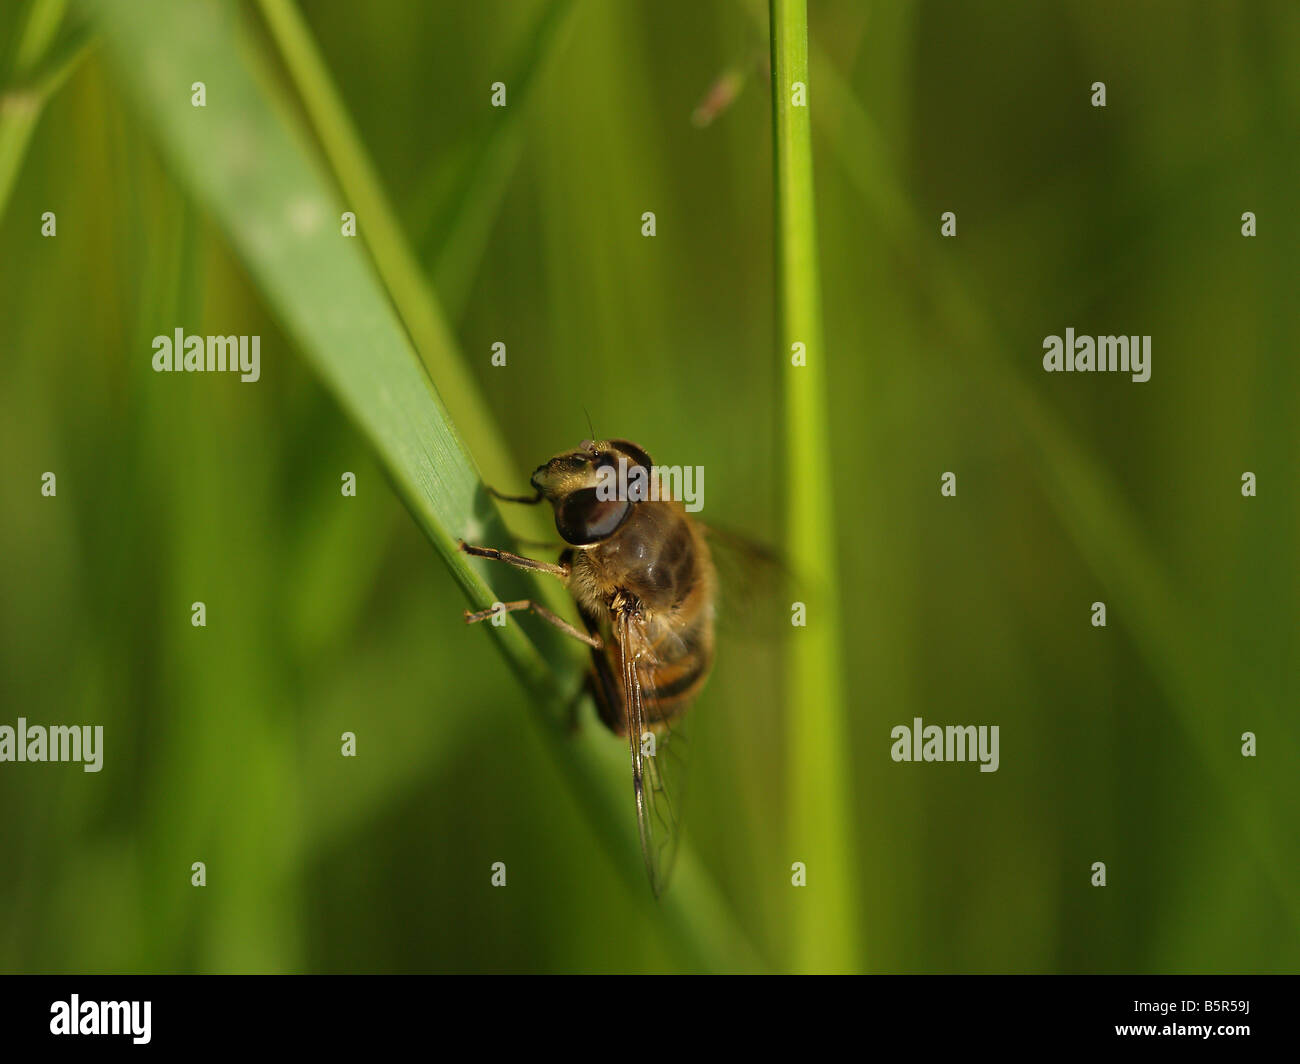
x,y
642,576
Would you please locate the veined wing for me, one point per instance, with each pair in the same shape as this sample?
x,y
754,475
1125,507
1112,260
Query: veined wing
x,y
658,752
755,585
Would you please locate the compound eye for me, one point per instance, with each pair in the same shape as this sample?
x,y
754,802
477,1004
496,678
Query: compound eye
x,y
635,454
583,518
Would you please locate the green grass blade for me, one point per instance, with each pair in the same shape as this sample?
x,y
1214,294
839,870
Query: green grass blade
x,y
42,64
378,227
44,18
245,161
1186,658
825,935
460,221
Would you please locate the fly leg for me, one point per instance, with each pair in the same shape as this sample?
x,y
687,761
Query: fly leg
x,y
602,683
473,617
523,500
517,560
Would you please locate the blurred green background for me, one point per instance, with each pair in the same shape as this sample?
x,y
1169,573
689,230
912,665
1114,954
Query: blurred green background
x,y
328,614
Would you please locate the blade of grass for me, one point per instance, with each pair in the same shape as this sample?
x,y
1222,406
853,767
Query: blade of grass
x,y
41,66
476,180
43,20
456,234
1187,659
826,933
250,166
378,228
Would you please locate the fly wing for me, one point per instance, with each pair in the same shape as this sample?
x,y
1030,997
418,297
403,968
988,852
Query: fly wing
x,y
658,754
755,585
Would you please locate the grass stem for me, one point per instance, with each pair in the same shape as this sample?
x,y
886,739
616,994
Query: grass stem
x,y
826,931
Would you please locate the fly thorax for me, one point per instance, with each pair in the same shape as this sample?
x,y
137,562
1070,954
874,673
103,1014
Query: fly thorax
x,y
655,555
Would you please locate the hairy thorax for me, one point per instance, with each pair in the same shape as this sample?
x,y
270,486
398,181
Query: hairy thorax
x,y
656,558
